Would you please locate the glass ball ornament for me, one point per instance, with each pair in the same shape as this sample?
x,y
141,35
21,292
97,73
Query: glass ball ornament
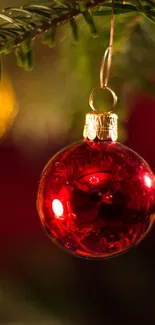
x,y
96,198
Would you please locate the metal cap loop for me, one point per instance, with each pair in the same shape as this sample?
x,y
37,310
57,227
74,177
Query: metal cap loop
x,y
91,98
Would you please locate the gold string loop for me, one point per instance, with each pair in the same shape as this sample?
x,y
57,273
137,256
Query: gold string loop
x,y
106,67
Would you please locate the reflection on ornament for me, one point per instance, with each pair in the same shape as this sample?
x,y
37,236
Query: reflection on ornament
x,y
57,208
94,180
8,105
148,181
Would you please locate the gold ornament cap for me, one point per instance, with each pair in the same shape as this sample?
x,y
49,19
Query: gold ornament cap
x,y
101,126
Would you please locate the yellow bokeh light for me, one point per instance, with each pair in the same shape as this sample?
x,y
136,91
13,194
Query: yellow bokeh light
x,y
2,128
8,105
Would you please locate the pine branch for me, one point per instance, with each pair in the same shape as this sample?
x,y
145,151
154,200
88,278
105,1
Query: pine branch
x,y
20,26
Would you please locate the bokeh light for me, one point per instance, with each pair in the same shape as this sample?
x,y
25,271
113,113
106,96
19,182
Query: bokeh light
x,y
8,104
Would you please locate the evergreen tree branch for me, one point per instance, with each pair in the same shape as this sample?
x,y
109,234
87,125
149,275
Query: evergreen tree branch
x,y
20,26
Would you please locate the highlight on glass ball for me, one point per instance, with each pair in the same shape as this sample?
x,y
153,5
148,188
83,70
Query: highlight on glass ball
x,y
96,199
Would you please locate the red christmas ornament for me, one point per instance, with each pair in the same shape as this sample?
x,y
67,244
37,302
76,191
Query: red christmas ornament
x,y
96,198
